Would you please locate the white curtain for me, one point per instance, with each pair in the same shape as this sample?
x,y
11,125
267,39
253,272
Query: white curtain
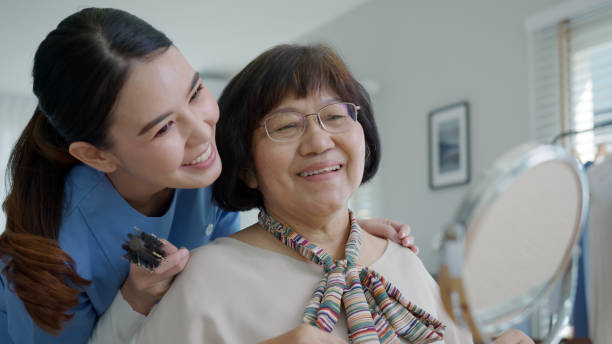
x,y
15,111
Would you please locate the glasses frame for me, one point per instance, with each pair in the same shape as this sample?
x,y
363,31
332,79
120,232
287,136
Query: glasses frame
x,y
304,120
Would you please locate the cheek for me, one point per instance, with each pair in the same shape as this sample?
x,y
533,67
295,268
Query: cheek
x,y
169,154
358,151
272,163
165,155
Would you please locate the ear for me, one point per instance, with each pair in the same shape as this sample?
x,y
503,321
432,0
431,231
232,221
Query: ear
x,y
93,156
249,178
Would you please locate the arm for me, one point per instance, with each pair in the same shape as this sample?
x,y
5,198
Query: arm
x,y
4,332
118,324
16,326
139,293
22,330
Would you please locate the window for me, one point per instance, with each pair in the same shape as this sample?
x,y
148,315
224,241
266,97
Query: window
x,y
571,81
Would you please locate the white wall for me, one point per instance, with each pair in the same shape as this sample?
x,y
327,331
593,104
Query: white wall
x,y
424,55
15,112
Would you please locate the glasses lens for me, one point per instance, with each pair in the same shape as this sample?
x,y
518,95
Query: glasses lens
x,y
284,126
338,117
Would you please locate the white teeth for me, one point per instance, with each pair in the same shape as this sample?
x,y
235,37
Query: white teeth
x,y
202,157
323,170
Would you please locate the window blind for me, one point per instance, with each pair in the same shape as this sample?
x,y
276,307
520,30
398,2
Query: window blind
x,y
571,81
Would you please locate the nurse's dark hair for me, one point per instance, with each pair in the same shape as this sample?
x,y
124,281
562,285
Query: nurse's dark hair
x,y
280,72
79,69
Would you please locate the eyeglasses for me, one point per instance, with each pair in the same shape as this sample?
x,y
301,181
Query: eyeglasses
x,y
290,125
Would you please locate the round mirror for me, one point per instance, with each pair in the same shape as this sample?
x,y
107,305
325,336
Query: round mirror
x,y
512,241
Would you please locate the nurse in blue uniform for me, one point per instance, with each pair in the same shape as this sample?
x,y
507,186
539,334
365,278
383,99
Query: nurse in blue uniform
x,y
123,136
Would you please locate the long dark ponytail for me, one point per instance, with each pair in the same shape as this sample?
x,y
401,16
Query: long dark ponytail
x,y
79,69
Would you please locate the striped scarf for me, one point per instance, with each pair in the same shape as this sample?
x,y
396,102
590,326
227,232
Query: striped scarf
x,y
376,311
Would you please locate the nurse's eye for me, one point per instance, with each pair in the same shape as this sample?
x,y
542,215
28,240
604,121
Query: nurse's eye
x,y
164,129
197,93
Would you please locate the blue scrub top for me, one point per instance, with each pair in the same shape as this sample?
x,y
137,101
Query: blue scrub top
x,y
95,220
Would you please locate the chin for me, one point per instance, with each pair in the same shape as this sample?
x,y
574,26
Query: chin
x,y
207,178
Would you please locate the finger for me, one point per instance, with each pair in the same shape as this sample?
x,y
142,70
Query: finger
x,y
409,243
168,247
402,229
168,266
382,228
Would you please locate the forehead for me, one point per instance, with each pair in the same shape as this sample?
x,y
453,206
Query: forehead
x,y
153,87
316,98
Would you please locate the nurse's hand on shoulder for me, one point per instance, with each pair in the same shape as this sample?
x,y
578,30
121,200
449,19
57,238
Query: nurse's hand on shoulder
x,y
513,337
304,334
389,229
143,289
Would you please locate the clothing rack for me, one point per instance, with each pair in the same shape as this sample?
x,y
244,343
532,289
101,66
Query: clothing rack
x,y
576,132
580,320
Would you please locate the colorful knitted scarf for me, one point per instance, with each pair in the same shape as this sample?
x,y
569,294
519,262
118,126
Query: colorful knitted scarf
x,y
376,312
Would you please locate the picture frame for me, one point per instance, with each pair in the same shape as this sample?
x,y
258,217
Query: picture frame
x,y
449,146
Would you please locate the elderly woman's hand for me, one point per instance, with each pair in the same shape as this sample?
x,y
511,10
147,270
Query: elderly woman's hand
x,y
304,334
513,337
392,230
143,289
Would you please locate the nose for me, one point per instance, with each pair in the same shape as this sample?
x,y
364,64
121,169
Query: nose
x,y
315,139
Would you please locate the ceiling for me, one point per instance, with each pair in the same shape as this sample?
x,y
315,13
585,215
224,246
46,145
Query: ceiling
x,y
216,36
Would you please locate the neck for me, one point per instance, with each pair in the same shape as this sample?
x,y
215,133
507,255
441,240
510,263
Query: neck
x,y
328,231
148,200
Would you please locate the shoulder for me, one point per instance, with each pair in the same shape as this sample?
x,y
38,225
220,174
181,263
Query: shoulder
x,y
213,273
399,257
216,256
80,182
199,203
403,268
85,188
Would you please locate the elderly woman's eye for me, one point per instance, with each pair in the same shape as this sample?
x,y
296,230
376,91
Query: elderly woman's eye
x,y
286,127
334,117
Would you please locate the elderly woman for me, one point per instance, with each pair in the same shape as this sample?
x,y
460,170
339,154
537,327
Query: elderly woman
x,y
298,137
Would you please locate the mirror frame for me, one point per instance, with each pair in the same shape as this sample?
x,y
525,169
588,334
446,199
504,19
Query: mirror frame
x,y
496,181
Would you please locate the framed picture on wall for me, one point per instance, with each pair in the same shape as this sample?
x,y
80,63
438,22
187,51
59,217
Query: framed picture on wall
x,y
449,146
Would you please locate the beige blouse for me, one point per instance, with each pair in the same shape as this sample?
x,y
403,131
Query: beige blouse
x,y
232,292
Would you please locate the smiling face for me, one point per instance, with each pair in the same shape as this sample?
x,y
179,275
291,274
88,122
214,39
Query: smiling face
x,y
163,127
317,173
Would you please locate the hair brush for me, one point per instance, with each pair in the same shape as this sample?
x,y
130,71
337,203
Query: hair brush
x,y
143,249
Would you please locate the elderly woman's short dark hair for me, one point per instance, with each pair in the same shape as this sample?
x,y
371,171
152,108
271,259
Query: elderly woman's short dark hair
x,y
281,72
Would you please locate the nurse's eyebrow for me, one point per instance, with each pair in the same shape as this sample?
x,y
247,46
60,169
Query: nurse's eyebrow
x,y
154,122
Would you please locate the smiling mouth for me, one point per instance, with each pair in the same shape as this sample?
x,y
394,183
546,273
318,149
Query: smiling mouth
x,y
320,171
203,157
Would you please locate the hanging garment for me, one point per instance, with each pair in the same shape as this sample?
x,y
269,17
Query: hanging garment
x,y
600,255
580,312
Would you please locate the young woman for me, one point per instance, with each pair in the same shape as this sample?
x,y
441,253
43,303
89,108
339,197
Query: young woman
x,y
123,136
